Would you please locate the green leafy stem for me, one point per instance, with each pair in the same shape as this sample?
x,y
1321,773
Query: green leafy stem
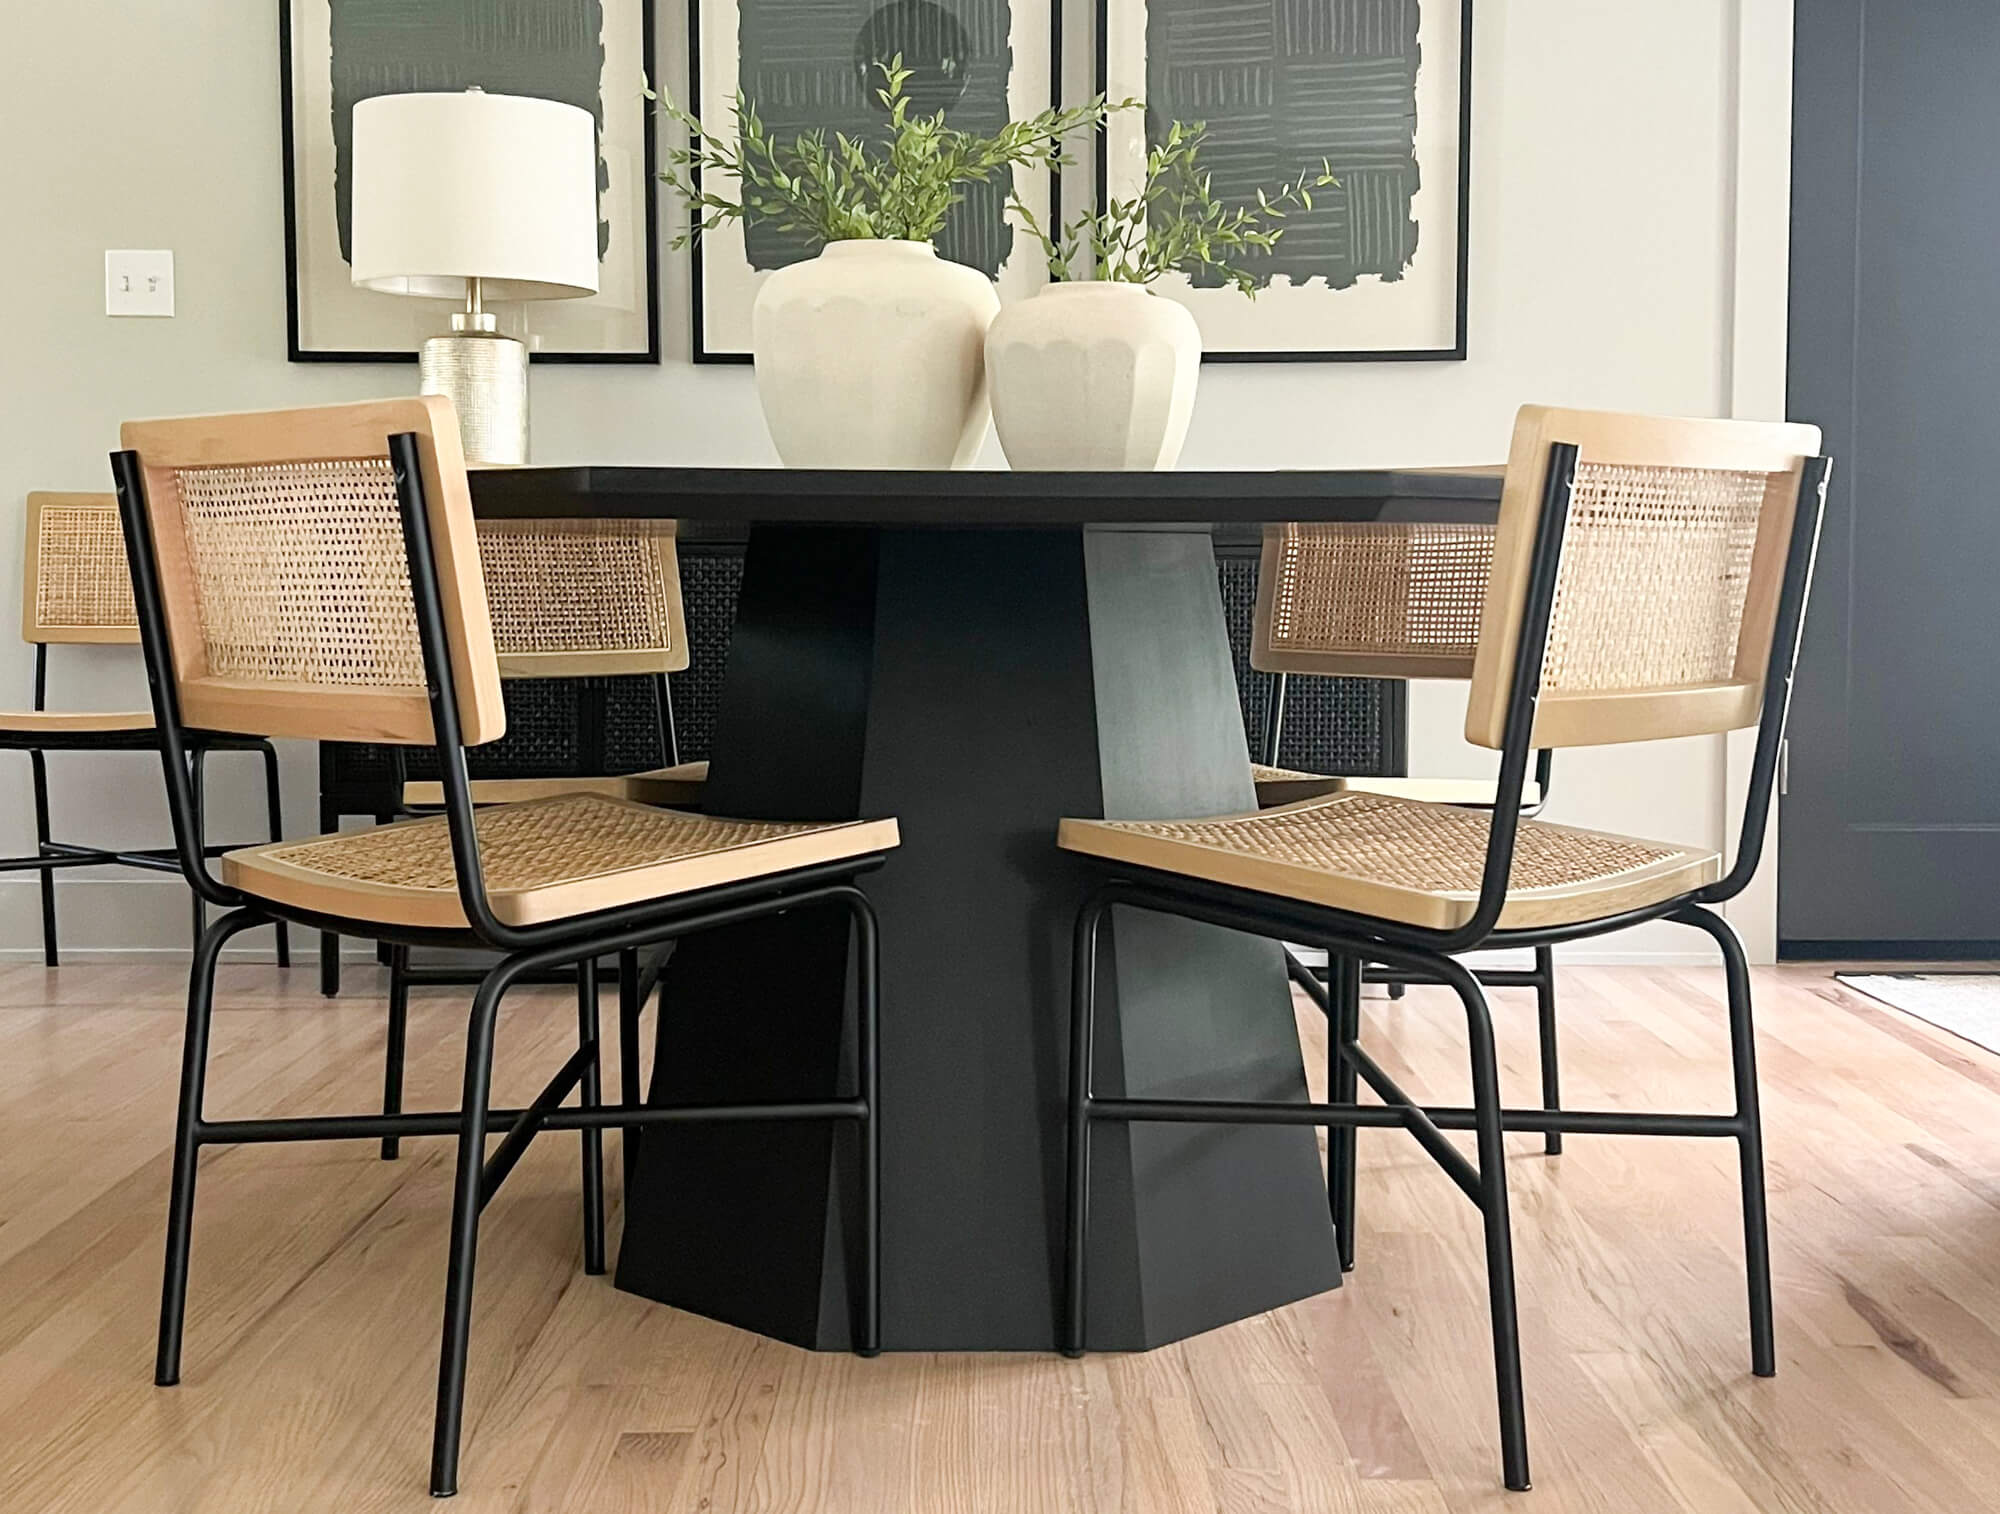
x,y
1175,224
852,188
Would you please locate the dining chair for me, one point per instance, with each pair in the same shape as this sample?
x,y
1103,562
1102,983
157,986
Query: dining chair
x,y
316,574
76,591
569,598
1649,581
1386,599
585,598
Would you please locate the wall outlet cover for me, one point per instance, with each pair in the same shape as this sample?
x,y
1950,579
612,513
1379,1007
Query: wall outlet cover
x,y
139,283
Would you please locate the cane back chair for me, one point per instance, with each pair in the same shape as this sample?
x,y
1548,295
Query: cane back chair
x,y
76,591
577,598
1366,599
315,574
568,598
1649,581
592,610
1386,599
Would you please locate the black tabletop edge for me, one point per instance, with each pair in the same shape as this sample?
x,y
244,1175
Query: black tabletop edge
x,y
985,497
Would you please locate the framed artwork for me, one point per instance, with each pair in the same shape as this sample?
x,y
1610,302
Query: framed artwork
x,y
596,54
811,63
1379,89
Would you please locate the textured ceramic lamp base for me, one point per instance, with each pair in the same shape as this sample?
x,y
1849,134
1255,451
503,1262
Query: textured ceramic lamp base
x,y
485,376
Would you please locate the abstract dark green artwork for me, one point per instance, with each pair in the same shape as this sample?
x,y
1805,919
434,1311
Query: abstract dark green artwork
x,y
1283,85
1374,88
550,49
593,54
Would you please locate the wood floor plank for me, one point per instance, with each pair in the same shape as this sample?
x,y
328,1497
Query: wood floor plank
x,y
318,1281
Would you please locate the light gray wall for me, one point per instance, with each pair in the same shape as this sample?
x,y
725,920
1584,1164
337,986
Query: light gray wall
x,y
1604,263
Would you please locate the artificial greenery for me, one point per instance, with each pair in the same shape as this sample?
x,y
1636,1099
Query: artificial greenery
x,y
1174,224
852,188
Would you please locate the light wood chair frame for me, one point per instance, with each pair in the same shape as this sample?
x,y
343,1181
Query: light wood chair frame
x,y
1428,955
527,952
1317,983
52,856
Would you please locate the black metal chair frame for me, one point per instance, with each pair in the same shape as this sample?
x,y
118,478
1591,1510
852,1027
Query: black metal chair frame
x,y
1427,955
1317,983
528,951
52,856
404,974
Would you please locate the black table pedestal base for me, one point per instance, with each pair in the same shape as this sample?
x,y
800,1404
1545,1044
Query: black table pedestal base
x,y
978,685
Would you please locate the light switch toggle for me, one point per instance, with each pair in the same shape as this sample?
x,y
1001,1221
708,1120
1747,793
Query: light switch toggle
x,y
139,283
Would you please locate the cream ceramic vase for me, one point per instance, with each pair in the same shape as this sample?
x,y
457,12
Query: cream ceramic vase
x,y
873,355
1093,376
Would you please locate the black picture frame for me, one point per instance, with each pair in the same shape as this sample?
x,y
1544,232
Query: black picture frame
x,y
294,352
1456,353
697,336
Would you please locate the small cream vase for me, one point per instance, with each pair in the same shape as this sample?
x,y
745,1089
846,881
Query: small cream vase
x,y
873,355
1093,376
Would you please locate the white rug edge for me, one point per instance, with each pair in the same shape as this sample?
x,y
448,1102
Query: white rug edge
x,y
1860,982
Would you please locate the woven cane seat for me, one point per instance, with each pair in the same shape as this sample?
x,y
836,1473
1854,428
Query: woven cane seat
x,y
681,784
546,859
73,722
1403,860
1286,786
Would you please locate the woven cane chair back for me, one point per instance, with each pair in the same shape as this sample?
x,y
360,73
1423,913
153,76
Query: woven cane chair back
x,y
1371,599
1667,597
584,598
77,585
285,580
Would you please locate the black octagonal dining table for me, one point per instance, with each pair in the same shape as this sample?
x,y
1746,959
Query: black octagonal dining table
x,y
978,654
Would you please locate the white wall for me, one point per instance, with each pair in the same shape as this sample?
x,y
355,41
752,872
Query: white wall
x,y
1611,145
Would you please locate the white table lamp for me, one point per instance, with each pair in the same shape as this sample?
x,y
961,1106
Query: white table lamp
x,y
479,198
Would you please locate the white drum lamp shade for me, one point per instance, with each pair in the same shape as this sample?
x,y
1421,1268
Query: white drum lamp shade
x,y
475,197
453,187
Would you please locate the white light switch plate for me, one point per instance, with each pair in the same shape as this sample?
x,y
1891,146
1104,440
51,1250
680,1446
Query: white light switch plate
x,y
138,283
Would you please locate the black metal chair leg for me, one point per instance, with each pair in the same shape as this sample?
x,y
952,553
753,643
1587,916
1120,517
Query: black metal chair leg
x,y
1398,988
1499,1236
867,1066
198,781
1082,1042
392,1061
465,1204
275,811
329,943
187,1140
590,1093
1545,1013
1750,1141
629,1005
50,951
1343,1086
382,948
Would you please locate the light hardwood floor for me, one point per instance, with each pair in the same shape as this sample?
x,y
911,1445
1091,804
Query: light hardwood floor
x,y
318,1273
